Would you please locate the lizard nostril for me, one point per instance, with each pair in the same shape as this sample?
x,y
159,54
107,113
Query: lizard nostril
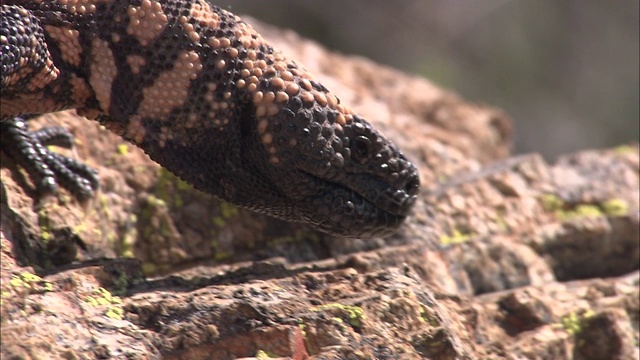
x,y
361,149
412,185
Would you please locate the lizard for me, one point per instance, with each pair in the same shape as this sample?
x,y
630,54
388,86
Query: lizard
x,y
205,96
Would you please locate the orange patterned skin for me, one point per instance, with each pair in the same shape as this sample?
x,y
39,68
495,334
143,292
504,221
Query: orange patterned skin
x,y
210,100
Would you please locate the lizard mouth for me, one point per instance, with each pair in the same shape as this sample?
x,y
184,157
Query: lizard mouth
x,y
368,207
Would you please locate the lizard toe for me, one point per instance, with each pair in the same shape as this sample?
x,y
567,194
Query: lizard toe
x,y
47,169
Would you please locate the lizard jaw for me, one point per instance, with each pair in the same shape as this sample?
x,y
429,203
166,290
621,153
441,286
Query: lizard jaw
x,y
374,209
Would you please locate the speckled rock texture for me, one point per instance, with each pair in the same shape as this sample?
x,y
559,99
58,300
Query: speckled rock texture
x,y
503,257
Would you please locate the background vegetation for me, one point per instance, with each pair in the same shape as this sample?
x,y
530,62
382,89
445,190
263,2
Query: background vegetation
x,y
566,71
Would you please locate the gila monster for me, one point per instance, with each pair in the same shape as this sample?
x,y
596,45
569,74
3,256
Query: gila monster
x,y
206,97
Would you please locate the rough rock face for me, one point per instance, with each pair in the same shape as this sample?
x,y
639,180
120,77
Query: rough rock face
x,y
503,258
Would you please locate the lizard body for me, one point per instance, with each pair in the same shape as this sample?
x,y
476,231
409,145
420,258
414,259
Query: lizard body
x,y
207,98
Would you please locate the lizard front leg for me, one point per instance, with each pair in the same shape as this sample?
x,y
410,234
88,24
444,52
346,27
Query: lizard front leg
x,y
46,168
27,75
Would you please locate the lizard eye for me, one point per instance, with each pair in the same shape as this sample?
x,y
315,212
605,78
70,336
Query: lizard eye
x,y
361,149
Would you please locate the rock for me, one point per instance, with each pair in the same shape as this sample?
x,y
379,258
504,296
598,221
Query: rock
x,y
606,335
504,257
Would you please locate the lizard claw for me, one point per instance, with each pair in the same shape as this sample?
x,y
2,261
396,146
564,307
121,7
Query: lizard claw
x,y
47,169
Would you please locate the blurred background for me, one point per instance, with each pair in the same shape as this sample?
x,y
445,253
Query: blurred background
x,y
566,71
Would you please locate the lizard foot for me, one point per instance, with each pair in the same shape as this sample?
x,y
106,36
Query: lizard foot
x,y
47,169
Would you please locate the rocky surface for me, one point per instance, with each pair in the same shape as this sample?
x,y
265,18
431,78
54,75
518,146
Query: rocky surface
x,y
504,257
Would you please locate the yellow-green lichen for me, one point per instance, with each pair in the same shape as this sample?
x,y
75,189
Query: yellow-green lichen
x,y
169,187
102,297
82,227
501,222
104,204
281,240
355,314
158,208
65,198
425,316
114,312
300,235
222,255
24,279
149,268
340,323
227,211
573,323
125,280
624,149
182,185
457,237
585,210
46,236
615,207
156,202
128,239
551,202
44,221
564,211
261,354
218,221
31,282
302,327
122,149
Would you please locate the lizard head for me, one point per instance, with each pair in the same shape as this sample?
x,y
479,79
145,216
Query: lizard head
x,y
256,130
307,164
338,174
303,162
